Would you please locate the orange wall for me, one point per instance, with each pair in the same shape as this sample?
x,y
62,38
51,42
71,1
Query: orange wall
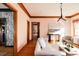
x,y
21,27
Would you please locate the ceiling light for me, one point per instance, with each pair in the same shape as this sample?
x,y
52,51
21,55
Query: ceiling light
x,y
61,17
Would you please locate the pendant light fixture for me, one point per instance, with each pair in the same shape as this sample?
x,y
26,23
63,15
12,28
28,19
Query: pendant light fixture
x,y
61,16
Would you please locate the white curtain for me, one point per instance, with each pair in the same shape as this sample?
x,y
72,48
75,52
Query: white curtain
x,y
76,28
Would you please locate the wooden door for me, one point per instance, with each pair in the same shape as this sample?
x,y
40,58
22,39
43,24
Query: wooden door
x,y
35,30
28,30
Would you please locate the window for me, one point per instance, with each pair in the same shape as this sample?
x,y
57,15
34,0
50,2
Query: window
x,y
76,27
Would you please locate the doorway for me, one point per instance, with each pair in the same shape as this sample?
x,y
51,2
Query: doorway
x,y
12,47
6,32
15,26
35,30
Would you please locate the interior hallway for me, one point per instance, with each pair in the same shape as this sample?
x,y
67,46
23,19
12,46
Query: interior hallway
x,y
28,50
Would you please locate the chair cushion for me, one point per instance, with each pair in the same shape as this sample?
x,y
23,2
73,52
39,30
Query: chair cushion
x,y
42,42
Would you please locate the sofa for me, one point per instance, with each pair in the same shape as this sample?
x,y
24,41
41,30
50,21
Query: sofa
x,y
43,48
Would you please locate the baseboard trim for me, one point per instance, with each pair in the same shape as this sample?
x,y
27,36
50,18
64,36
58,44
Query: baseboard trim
x,y
22,48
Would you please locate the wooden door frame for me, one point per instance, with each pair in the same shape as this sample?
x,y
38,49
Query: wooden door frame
x,y
15,25
28,30
38,23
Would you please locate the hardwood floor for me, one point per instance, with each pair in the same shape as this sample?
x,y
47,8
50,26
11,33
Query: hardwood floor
x,y
28,50
6,51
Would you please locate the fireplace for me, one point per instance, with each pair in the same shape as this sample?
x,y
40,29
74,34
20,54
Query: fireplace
x,y
53,38
55,34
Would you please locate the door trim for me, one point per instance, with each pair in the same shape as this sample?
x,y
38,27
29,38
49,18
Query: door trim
x,y
28,30
15,25
37,23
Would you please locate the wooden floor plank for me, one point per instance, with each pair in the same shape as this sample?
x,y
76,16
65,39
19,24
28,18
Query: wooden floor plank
x,y
28,50
6,51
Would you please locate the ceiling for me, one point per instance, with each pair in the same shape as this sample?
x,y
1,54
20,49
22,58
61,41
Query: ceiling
x,y
51,9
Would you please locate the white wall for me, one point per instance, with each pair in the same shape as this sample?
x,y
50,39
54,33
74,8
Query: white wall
x,y
21,27
44,23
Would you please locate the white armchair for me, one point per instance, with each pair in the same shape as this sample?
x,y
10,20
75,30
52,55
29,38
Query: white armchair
x,y
43,48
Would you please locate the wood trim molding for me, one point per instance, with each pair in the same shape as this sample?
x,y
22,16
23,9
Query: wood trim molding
x,y
28,31
15,25
10,6
15,33
75,14
44,16
67,16
24,9
54,16
76,20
